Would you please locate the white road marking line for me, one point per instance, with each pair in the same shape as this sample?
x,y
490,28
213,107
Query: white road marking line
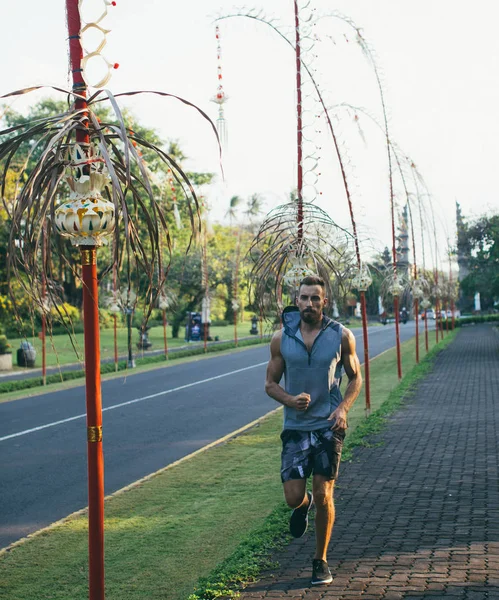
x,y
134,401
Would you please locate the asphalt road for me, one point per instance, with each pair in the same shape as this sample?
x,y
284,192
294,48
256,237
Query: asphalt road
x,y
149,420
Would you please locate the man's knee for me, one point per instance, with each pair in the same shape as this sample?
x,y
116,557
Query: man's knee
x,y
323,494
294,494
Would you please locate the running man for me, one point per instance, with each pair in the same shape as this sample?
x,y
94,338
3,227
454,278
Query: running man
x,y
310,350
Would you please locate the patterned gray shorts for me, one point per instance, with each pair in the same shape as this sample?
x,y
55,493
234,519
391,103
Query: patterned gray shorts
x,y
307,452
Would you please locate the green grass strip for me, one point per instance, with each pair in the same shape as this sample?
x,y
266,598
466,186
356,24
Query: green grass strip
x,y
208,524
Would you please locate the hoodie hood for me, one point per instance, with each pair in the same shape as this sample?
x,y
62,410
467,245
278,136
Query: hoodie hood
x,y
291,320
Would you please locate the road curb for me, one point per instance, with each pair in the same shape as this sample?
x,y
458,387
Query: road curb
x,y
146,478
139,482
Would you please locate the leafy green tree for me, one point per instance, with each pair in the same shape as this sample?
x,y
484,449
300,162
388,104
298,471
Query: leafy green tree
x,y
66,273
482,238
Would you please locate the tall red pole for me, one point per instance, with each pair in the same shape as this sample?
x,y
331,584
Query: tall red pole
x,y
44,336
92,344
94,424
452,305
397,335
394,258
44,314
416,316
437,309
436,319
115,324
299,123
165,335
366,351
426,328
236,286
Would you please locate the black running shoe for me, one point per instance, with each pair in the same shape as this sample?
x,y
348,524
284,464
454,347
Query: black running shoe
x,y
320,572
298,522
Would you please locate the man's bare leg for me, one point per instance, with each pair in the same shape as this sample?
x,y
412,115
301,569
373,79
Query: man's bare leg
x,y
324,516
294,492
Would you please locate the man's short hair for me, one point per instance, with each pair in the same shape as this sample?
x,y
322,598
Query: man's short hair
x,y
313,280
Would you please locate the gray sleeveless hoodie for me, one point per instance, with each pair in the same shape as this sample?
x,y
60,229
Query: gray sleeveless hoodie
x,y
317,372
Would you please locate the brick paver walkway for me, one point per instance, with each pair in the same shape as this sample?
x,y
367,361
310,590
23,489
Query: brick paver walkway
x,y
418,516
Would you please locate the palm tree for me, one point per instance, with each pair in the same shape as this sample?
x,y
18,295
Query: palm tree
x,y
234,202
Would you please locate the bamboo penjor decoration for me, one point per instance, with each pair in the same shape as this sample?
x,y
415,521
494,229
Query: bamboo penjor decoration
x,y
98,167
297,258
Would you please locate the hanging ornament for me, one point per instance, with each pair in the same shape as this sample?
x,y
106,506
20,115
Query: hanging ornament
x,y
362,278
163,302
220,97
296,273
396,286
452,293
128,298
417,290
113,303
87,218
95,54
166,299
45,306
425,303
235,305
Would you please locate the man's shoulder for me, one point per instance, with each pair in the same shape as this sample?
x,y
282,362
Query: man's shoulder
x,y
276,338
277,335
347,339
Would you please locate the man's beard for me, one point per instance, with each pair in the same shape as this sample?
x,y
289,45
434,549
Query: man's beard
x,y
310,316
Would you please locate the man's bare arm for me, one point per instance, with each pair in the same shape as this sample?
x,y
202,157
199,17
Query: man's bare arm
x,y
351,365
275,370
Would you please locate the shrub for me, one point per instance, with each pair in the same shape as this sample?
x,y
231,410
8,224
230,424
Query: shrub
x,y
66,312
106,319
4,345
219,323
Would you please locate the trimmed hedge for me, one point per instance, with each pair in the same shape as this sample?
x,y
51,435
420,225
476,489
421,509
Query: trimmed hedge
x,y
476,319
109,367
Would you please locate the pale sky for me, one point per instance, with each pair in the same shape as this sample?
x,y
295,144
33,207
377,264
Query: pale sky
x,y
439,60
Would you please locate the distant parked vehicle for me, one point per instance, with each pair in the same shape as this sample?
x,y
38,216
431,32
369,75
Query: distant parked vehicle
x,y
430,312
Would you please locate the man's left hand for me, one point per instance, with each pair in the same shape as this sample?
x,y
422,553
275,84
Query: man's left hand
x,y
339,416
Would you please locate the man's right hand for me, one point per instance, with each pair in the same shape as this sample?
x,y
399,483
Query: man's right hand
x,y
300,402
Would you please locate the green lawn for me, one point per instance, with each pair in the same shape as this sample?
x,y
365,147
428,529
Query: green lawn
x,y
165,533
60,349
